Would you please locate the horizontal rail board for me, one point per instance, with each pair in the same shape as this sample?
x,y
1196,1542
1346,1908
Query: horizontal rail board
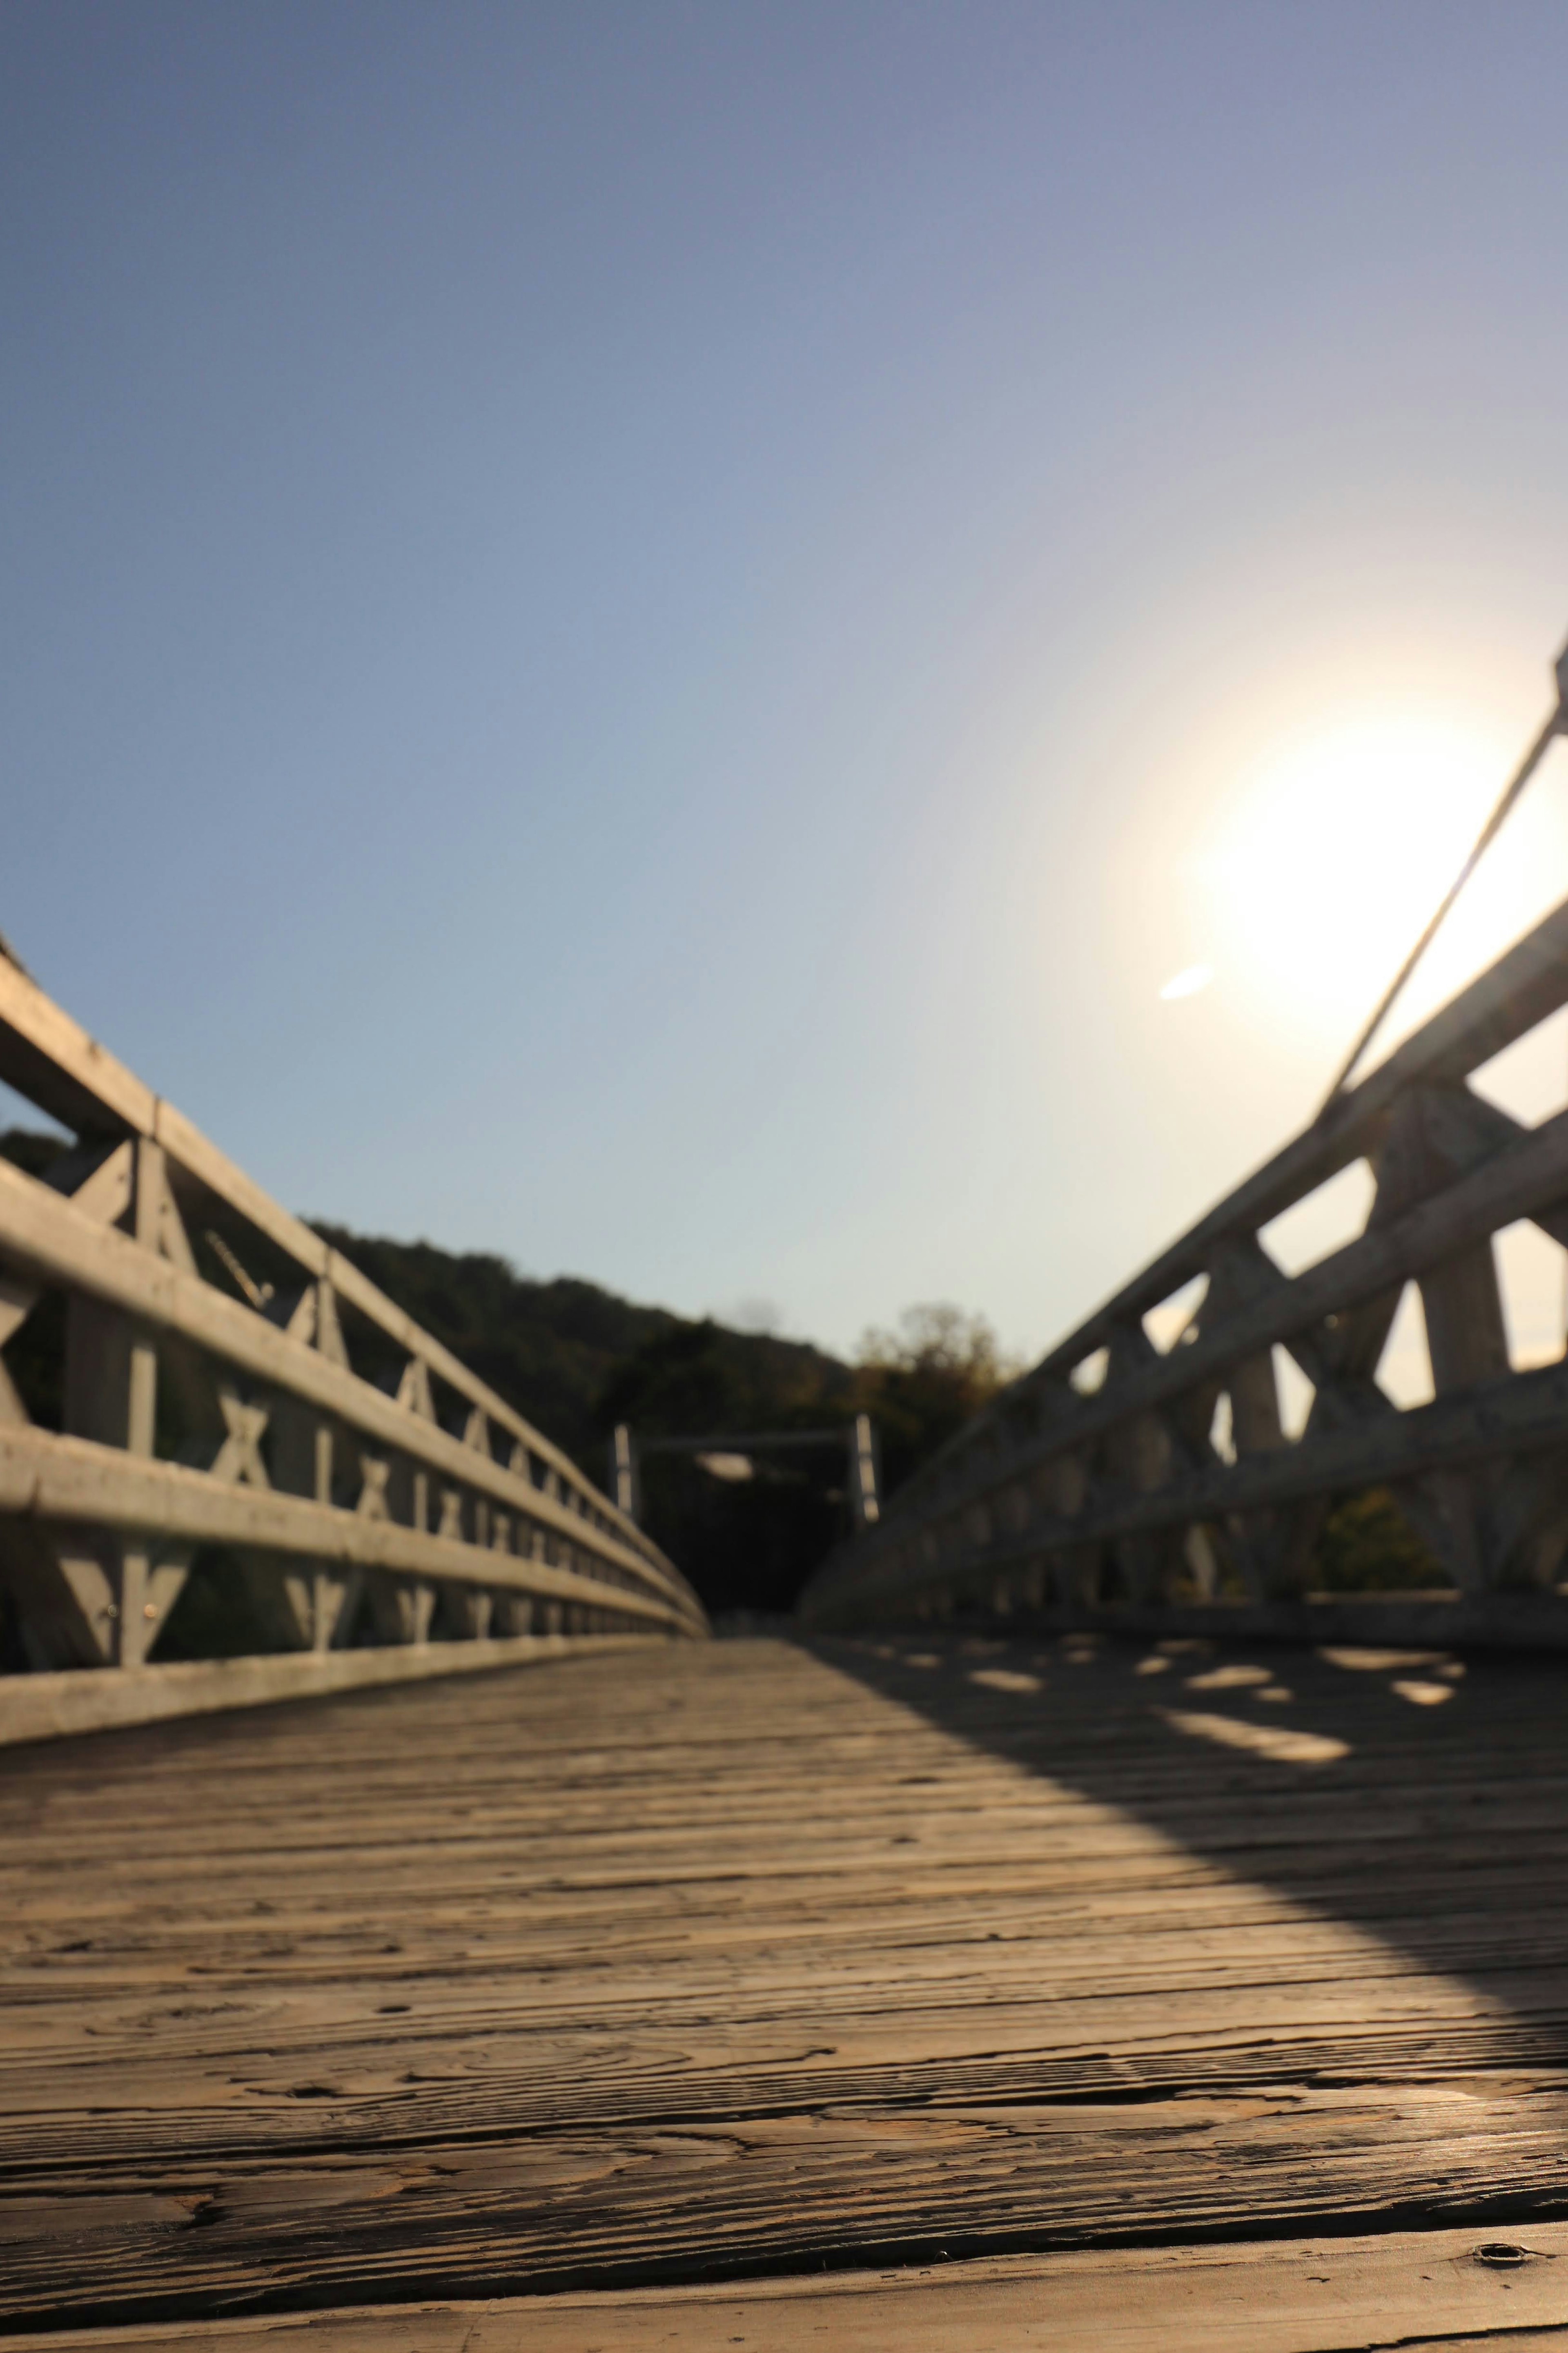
x,y
71,1481
1529,1411
54,1706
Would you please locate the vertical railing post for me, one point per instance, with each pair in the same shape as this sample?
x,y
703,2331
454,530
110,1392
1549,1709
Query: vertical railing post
x,y
865,1481
626,1479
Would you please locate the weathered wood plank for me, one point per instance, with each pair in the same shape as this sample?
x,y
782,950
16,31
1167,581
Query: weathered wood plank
x,y
1525,1412
76,1480
760,2193
51,1058
1327,2295
749,1962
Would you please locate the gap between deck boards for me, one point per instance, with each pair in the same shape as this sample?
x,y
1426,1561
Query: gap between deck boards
x,y
1413,2290
731,1961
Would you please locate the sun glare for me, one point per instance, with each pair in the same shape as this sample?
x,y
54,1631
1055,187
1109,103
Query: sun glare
x,y
1186,983
1334,852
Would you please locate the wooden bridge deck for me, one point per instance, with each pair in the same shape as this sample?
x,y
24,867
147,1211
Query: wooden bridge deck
x,y
601,2005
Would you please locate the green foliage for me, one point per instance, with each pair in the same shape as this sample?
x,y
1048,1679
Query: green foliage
x,y
693,1378
549,1348
922,1384
1367,1546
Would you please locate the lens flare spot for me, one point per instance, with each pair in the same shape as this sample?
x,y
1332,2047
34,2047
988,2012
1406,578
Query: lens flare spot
x,y
1186,983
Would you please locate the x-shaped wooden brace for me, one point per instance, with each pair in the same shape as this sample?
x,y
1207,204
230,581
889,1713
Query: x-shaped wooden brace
x,y
239,1458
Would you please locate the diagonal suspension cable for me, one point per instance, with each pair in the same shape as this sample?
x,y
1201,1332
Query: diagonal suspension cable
x,y
1556,725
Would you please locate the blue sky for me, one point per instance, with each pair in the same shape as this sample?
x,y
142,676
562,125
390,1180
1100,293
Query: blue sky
x,y
639,635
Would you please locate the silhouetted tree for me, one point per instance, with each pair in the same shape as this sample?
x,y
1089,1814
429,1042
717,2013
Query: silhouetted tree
x,y
923,1382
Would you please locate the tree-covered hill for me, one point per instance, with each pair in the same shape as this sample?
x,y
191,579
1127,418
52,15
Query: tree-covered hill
x,y
575,1359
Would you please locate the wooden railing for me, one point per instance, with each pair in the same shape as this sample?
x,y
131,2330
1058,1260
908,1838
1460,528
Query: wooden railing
x,y
223,1378
1175,1478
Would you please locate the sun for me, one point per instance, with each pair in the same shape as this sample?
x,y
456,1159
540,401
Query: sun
x,y
1327,860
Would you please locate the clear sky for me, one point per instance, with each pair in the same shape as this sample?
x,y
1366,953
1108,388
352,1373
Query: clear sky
x,y
640,635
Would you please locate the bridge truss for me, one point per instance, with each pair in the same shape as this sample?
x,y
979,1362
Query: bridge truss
x,y
226,1382
1175,1479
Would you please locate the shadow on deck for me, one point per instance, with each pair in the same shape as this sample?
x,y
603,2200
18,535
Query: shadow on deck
x,y
1418,1797
769,1958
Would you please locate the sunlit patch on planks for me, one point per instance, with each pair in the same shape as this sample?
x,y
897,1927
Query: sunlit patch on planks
x,y
1277,1742
764,1960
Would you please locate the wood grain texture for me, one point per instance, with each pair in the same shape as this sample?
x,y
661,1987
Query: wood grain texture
x,y
1327,2295
75,1482
731,1959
